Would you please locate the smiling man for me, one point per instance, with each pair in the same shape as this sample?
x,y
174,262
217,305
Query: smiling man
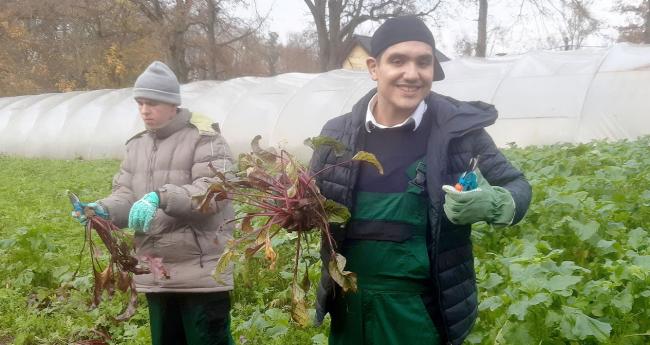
x,y
408,240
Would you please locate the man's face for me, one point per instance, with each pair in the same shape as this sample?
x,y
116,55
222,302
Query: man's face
x,y
155,114
404,73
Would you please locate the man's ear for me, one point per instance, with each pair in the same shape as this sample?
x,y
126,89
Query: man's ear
x,y
372,63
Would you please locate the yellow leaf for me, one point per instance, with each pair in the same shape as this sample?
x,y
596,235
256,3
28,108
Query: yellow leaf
x,y
369,158
222,264
292,170
269,253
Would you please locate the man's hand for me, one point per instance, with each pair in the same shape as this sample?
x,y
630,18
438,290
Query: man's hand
x,y
143,211
487,203
89,209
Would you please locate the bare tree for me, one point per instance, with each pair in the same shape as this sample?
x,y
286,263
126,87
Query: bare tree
x,y
300,54
272,53
336,20
481,41
464,47
172,22
191,28
638,31
573,19
224,30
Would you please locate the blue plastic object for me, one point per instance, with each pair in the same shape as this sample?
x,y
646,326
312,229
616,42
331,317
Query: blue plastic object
x,y
469,180
77,205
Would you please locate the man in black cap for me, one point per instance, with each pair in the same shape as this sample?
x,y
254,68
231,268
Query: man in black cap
x,y
408,239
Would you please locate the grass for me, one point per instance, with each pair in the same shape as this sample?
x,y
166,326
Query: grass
x,y
42,303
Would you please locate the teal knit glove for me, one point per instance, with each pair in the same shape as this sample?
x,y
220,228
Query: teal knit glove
x,y
143,211
492,204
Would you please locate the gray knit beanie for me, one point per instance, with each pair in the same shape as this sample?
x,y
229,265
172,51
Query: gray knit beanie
x,y
158,82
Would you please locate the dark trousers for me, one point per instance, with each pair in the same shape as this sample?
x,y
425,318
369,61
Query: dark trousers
x,y
190,318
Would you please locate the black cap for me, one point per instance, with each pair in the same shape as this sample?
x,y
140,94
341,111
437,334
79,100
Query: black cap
x,y
402,29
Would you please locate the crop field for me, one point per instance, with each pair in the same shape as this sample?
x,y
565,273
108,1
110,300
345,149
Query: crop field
x,y
575,271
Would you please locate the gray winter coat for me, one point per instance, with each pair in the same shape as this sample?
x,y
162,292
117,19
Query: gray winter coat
x,y
174,161
457,134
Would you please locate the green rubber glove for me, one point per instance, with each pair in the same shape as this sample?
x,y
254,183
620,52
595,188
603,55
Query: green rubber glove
x,y
95,207
492,204
143,211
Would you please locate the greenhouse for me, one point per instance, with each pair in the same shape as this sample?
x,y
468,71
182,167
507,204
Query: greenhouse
x,y
543,97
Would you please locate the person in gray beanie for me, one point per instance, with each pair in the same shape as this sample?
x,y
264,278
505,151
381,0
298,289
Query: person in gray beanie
x,y
408,239
164,167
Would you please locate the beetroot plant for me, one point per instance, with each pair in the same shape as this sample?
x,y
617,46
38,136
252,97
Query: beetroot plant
x,y
122,264
280,194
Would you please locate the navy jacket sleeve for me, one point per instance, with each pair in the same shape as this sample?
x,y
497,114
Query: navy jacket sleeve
x,y
498,171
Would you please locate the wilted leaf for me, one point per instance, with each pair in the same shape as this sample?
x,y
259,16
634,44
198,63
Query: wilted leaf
x,y
132,307
216,191
317,142
222,264
336,213
245,162
265,155
269,253
250,251
122,264
105,277
102,282
293,170
298,305
369,158
305,284
347,280
246,224
260,179
123,281
291,192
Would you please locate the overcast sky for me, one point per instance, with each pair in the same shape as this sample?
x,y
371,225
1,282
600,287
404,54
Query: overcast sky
x,y
518,34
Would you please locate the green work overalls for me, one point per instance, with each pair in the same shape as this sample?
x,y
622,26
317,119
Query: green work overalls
x,y
392,276
190,318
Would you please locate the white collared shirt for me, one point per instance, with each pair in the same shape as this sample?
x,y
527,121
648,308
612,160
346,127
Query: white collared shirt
x,y
416,116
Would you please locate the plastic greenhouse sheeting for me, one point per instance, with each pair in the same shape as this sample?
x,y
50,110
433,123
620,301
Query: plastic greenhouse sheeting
x,y
543,98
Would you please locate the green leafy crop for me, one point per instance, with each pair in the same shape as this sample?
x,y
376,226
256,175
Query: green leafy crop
x,y
575,271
